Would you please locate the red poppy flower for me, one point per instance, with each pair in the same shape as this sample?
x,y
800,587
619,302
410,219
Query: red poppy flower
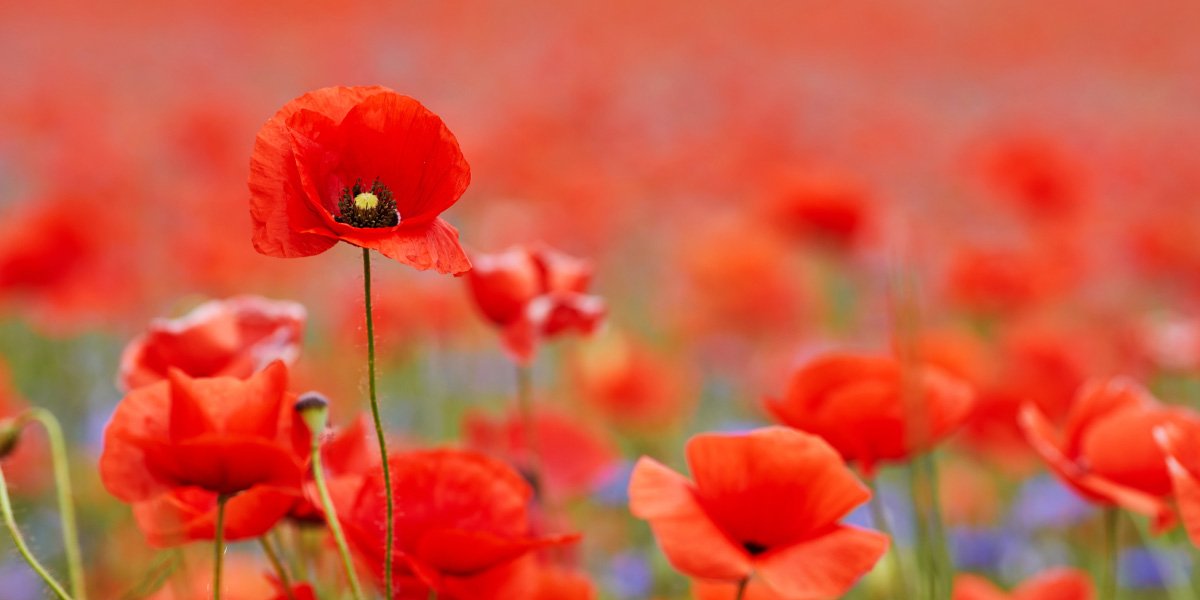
x,y
632,386
57,262
764,504
1107,451
461,530
573,457
1180,442
363,165
533,293
1053,584
824,206
234,337
174,446
857,403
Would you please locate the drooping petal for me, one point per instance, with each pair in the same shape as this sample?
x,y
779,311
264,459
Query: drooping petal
x,y
692,542
822,567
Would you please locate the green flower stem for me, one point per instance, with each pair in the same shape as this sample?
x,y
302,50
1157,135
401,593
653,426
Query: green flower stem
x,y
529,427
66,504
1108,570
880,520
945,568
929,563
741,588
11,522
273,557
389,526
219,546
335,526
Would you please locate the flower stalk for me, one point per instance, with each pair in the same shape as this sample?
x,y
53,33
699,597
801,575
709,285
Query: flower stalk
x,y
314,409
219,546
66,505
389,525
11,523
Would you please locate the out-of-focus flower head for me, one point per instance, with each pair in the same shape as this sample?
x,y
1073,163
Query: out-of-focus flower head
x,y
573,457
533,293
1053,584
1107,450
857,403
632,386
235,337
60,263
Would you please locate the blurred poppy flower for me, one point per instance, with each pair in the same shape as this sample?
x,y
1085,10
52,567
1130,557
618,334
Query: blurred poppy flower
x,y
572,456
532,293
173,447
1052,584
737,279
1036,175
462,528
1107,451
823,207
1033,364
1180,443
363,165
57,262
858,404
632,386
234,337
764,504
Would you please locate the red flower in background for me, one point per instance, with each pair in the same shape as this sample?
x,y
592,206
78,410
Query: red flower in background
x,y
632,386
234,337
764,504
858,404
1037,176
572,456
824,207
363,165
532,293
462,528
1053,584
174,446
1180,443
59,263
1107,451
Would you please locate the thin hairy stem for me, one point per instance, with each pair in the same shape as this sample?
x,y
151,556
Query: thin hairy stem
x,y
335,526
11,522
389,526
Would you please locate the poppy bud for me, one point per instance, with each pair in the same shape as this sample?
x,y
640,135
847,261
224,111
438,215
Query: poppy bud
x,y
10,433
314,410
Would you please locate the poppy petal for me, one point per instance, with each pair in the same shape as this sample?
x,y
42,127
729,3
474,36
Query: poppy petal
x,y
774,485
687,535
823,567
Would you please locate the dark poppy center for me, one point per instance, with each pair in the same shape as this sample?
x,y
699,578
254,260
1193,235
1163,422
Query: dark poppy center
x,y
361,207
754,548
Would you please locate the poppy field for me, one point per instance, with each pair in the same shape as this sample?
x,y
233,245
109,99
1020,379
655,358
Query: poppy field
x,y
600,300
